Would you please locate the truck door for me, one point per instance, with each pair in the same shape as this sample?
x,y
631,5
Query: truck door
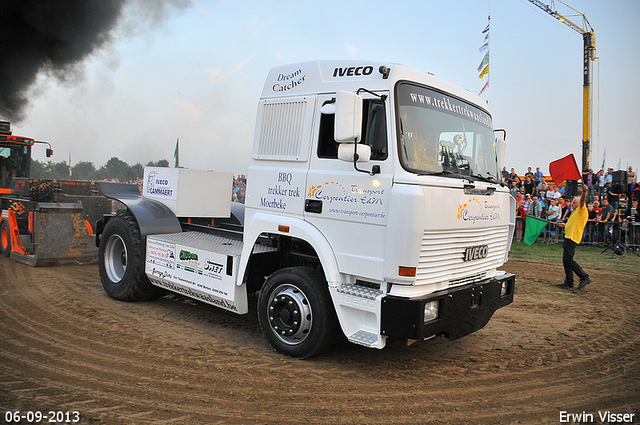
x,y
350,207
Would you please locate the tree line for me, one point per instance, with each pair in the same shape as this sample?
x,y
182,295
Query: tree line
x,y
85,170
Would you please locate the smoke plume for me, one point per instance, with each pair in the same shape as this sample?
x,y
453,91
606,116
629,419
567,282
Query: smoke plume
x,y
53,36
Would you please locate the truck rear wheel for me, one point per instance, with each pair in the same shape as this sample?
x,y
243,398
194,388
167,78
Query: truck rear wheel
x,y
121,261
5,238
296,313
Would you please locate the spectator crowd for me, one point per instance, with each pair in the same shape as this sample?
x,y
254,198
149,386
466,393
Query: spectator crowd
x,y
612,205
239,188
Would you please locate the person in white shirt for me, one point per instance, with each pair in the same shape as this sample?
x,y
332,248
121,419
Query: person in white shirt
x,y
553,215
551,194
601,182
552,211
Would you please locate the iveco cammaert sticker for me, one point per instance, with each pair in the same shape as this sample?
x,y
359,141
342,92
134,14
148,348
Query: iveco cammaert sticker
x,y
161,183
474,211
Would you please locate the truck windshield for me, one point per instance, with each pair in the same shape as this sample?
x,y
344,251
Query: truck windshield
x,y
440,134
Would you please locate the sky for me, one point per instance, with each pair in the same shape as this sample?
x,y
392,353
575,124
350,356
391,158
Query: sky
x,y
193,70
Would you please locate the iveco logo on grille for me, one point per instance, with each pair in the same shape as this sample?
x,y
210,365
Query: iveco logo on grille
x,y
475,252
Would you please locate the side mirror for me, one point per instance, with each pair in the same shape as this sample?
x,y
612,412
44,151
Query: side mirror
x,y
328,109
348,125
346,151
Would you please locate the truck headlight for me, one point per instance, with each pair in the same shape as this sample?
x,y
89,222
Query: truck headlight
x,y
430,311
504,288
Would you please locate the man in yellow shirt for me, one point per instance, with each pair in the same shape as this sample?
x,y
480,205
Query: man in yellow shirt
x,y
573,230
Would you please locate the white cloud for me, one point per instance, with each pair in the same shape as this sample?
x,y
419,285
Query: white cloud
x,y
217,75
189,110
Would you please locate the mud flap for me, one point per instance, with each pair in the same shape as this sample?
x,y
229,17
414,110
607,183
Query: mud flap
x,y
61,234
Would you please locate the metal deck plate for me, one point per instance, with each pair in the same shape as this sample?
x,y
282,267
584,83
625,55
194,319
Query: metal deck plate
x,y
208,242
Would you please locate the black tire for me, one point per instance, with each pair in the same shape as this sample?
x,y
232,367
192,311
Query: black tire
x,y
296,313
121,261
5,238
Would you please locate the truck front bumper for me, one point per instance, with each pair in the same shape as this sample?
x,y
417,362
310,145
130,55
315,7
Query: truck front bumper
x,y
461,310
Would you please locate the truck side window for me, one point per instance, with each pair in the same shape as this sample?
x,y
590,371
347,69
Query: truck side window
x,y
374,131
327,146
5,180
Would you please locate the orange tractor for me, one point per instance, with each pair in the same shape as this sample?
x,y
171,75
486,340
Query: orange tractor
x,y
44,221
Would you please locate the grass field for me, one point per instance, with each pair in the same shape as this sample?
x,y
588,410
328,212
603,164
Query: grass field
x,y
592,257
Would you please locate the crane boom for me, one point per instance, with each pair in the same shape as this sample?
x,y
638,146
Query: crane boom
x,y
589,42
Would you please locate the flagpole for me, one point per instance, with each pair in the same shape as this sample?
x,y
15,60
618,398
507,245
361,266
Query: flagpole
x,y
488,24
483,68
176,154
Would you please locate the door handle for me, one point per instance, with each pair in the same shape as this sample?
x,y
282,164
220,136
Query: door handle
x,y
313,206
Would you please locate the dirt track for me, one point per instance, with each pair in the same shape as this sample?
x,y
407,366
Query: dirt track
x,y
66,346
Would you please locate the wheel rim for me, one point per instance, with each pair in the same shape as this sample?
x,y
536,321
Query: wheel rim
x,y
115,258
289,314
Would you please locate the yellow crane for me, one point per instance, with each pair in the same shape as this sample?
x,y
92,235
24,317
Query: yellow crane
x,y
589,39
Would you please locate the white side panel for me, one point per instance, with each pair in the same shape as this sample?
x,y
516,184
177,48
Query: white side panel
x,y
190,193
199,266
407,216
279,190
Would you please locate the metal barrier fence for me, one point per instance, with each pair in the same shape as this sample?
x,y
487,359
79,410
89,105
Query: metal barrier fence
x,y
603,234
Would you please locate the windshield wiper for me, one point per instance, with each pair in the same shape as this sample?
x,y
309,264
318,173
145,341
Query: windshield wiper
x,y
488,178
451,174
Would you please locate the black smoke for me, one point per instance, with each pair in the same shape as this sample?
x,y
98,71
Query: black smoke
x,y
54,37
47,36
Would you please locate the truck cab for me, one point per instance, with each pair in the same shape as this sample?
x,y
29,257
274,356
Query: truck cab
x,y
15,159
374,208
421,210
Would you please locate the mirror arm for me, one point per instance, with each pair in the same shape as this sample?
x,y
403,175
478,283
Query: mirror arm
x,y
49,151
383,97
374,169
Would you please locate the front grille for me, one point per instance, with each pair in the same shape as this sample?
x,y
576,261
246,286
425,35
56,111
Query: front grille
x,y
443,251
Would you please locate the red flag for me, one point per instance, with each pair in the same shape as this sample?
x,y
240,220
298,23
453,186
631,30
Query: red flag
x,y
564,169
485,86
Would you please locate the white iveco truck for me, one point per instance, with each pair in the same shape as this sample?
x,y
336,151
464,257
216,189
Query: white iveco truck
x,y
374,208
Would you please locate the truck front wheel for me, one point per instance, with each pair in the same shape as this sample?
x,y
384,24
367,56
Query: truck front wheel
x,y
296,313
5,238
121,261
